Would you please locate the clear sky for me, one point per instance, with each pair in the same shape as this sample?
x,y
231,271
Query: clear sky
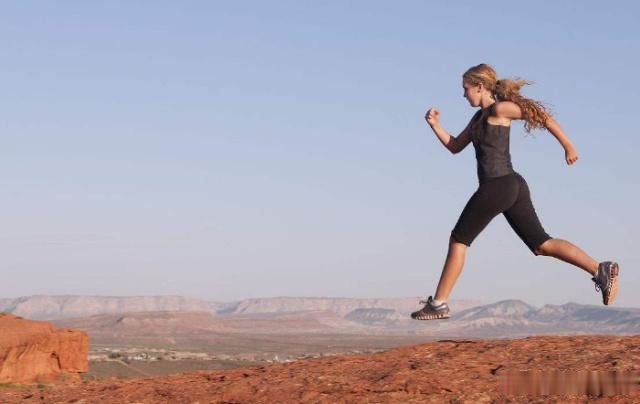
x,y
226,150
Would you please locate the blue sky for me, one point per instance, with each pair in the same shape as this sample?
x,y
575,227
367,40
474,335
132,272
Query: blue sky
x,y
253,149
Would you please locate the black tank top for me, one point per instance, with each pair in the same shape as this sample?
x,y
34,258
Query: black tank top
x,y
492,147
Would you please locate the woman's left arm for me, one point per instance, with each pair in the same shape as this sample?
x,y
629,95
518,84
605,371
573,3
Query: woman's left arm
x,y
508,109
570,153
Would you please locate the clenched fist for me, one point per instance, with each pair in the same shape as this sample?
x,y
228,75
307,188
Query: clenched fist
x,y
570,155
432,116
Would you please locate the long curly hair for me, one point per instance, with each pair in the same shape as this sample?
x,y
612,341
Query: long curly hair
x,y
534,113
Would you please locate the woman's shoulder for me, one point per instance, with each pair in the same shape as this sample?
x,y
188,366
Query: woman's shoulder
x,y
505,109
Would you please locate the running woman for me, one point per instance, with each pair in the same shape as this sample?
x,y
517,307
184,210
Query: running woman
x,y
501,189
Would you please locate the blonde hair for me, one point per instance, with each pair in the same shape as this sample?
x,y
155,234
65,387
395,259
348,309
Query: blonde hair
x,y
534,113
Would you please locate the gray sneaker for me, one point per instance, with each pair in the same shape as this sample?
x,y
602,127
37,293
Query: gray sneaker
x,y
430,311
606,280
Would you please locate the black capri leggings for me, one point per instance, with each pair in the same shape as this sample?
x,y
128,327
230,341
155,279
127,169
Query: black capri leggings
x,y
508,195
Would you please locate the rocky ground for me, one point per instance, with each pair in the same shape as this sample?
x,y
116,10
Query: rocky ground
x,y
453,371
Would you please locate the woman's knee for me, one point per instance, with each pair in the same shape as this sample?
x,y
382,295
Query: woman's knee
x,y
457,250
455,242
544,248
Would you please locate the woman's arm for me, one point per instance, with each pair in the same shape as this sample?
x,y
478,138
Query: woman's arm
x,y
452,143
570,153
511,110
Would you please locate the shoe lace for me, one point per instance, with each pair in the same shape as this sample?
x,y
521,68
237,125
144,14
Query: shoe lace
x,y
599,286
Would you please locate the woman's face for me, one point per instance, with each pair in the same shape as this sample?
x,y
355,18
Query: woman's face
x,y
472,93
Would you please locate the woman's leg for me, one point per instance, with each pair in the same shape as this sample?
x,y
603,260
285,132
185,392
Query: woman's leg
x,y
523,219
452,268
491,198
568,252
434,310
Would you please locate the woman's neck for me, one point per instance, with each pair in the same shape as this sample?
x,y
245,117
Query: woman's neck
x,y
486,102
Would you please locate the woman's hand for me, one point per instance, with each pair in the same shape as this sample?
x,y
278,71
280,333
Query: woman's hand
x,y
570,154
432,117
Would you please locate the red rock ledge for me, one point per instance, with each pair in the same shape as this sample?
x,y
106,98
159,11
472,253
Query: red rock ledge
x,y
35,351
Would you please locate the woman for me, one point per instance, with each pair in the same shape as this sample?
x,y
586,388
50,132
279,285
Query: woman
x,y
501,189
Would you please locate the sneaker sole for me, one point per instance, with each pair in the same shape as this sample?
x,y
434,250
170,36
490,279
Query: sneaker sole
x,y
433,317
613,276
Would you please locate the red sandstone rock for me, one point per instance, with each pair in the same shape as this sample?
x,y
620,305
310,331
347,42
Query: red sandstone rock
x,y
458,371
35,351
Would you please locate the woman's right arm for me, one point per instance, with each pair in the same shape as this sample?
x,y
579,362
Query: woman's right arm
x,y
452,143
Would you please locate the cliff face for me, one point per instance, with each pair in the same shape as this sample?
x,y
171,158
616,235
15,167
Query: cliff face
x,y
34,351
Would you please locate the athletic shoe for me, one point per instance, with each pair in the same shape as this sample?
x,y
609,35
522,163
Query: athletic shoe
x,y
606,280
430,311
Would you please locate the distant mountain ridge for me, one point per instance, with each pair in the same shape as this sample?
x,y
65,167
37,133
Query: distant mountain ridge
x,y
43,307
508,318
341,306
